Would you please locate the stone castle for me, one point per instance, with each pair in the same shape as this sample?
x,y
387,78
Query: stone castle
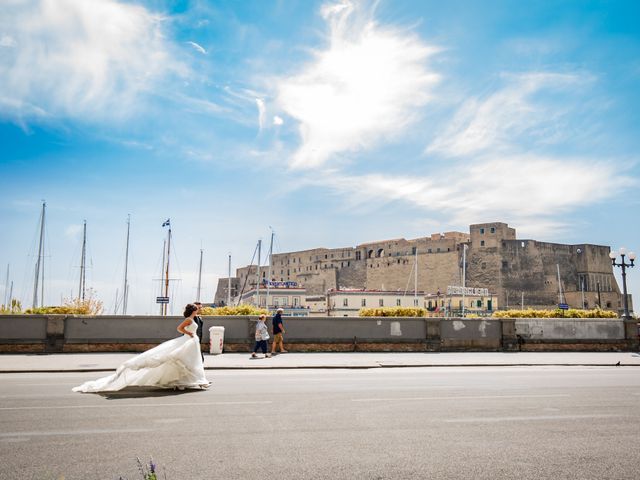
x,y
519,271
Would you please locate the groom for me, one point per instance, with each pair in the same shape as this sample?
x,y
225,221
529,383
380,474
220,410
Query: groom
x,y
199,322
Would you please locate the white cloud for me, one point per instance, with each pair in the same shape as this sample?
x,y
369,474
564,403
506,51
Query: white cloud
x,y
494,123
72,231
80,59
529,190
7,41
198,48
261,112
366,86
277,120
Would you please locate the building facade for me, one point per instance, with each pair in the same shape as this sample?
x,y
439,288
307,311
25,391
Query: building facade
x,y
518,272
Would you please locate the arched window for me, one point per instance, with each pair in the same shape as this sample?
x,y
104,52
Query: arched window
x,y
370,254
380,252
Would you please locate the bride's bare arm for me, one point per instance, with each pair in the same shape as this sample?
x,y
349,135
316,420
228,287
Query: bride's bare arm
x,y
181,327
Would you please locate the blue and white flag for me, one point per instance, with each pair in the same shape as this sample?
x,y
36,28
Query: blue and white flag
x,y
167,223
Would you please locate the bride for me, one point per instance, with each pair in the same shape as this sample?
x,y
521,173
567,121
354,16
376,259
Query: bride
x,y
175,363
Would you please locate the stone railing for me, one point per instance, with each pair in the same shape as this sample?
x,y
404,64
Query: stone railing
x,y
69,333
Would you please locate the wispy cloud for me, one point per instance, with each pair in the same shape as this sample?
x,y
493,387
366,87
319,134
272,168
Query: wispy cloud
x,y
80,59
528,189
198,47
497,121
366,85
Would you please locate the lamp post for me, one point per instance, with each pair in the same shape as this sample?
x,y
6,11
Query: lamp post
x,y
623,265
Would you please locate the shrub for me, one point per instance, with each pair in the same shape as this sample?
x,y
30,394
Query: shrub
x,y
555,313
237,310
89,306
392,312
13,308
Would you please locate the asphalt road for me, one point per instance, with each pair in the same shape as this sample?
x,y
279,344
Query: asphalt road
x,y
417,423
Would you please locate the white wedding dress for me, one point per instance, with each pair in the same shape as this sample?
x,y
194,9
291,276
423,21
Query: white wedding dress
x,y
175,363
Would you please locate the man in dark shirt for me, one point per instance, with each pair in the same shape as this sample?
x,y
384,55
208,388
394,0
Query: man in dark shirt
x,y
278,330
198,320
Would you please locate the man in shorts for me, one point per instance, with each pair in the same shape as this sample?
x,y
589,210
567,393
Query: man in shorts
x,y
278,330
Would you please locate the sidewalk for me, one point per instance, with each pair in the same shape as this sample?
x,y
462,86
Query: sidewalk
x,y
96,362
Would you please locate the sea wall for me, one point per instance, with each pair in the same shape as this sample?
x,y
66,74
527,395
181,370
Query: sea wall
x,y
106,333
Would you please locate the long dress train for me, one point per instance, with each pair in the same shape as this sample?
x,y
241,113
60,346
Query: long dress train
x,y
174,363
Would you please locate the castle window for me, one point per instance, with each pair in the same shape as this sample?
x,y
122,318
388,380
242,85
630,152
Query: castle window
x,y
482,231
358,255
482,243
380,253
370,254
348,263
505,264
429,251
493,230
325,257
413,250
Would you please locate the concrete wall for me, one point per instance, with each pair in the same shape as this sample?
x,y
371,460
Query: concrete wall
x,y
564,328
61,333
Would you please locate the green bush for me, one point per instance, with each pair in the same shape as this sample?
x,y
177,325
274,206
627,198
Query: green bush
x,y
231,311
556,313
392,312
89,306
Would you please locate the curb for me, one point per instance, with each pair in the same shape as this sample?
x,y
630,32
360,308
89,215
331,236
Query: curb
x,y
345,367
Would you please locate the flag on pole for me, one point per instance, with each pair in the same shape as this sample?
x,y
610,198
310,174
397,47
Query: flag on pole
x,y
167,223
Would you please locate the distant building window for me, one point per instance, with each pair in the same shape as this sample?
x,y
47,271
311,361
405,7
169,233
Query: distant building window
x,y
296,301
294,260
363,302
413,250
358,255
345,302
415,302
482,243
493,230
429,250
381,302
482,231
438,249
326,257
398,303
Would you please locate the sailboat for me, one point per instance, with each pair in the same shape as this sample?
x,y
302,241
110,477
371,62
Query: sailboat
x,y
38,282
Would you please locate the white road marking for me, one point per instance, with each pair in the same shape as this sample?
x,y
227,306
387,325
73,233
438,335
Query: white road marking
x,y
527,419
72,432
129,405
459,397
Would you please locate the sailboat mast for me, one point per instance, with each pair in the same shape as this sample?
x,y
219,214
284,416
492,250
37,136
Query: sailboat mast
x,y
125,287
258,275
269,270
415,280
559,284
40,262
81,286
164,252
166,280
6,289
199,278
229,284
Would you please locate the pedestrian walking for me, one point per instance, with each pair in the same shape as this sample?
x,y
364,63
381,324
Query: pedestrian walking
x,y
278,331
262,335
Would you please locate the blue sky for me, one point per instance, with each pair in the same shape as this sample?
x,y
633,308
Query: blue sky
x,y
332,122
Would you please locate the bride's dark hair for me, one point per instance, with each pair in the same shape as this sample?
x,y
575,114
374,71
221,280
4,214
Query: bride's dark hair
x,y
189,309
